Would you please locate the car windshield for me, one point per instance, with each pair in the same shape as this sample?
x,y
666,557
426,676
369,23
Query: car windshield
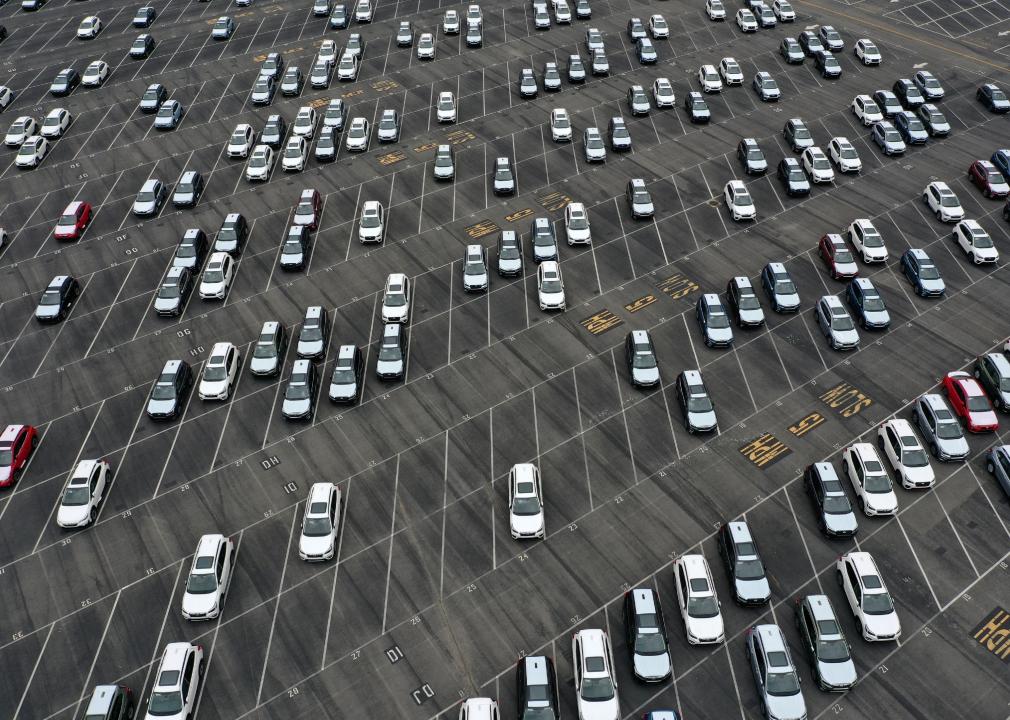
x,y
215,372
474,267
873,303
842,255
742,199
578,222
257,160
877,604
781,684
297,390
699,403
370,220
395,299
871,238
389,352
166,111
914,458
796,175
749,569
928,272
561,121
820,163
575,66
346,62
201,583
641,197
271,130
51,297
51,121
834,650
877,483
836,505
316,527
914,125
699,104
68,220
387,123
425,42
785,287
168,291
949,200
550,286
622,132
526,506
755,154
503,173
702,607
801,133
996,178
151,95
643,359
597,689
77,496
650,642
998,95
594,142
165,703
749,302
311,332
948,430
144,196
357,131
543,239
443,160
978,403
163,391
293,150
718,320
445,103
213,275
343,375
265,349
509,251
830,62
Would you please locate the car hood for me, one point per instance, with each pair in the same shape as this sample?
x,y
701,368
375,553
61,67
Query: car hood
x,y
72,515
5,475
366,232
788,301
882,501
552,298
702,420
545,251
752,590
599,710
752,316
47,311
933,285
343,391
841,523
706,628
957,447
198,604
143,206
837,674
211,287
877,317
213,387
527,524
646,376
472,280
579,234
987,417
651,667
262,365
166,303
315,546
161,407
510,265
387,132
596,152
787,707
720,334
292,258
296,407
393,314
389,367
847,268
882,625
310,347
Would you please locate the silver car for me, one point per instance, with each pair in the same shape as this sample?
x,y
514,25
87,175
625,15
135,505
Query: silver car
x,y
593,145
939,428
825,643
778,683
997,461
475,272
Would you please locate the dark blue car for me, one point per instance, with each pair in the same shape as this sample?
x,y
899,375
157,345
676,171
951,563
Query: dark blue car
x,y
1001,159
922,273
867,304
993,98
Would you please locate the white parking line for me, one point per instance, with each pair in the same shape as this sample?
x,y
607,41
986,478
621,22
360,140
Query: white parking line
x,y
98,651
231,403
277,605
624,419
108,312
922,570
392,535
35,669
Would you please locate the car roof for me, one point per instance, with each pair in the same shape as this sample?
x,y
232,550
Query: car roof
x,y
968,383
396,279
644,600
693,377
918,253
58,281
820,607
101,700
174,657
739,531
313,312
902,427
640,336
777,267
863,563
175,271
696,566
391,330
320,492
592,640
712,300
864,284
208,544
536,670
10,432
301,365
825,471
220,348
832,302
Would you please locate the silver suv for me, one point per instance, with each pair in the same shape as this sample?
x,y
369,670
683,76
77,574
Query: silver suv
x,y
778,683
939,428
825,644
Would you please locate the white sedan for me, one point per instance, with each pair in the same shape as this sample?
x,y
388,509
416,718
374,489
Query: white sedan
x,y
32,152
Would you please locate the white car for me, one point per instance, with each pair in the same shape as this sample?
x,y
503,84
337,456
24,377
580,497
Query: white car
x,y
906,454
658,27
347,69
242,140
32,152
426,47
450,22
562,13
95,74
783,11
474,15
972,239
844,155
56,123
662,93
320,523
867,240
550,286
867,52
220,372
730,71
867,596
357,135
20,130
697,600
864,108
371,226
475,272
176,683
445,109
295,154
89,27
83,493
328,52
715,9
561,125
577,224
260,163
874,492
6,97
305,122
709,80
739,201
526,502
595,676
217,276
396,299
209,577
746,21
363,11
943,202
817,166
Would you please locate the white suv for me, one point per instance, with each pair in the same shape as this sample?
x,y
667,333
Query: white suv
x,y
242,141
868,597
84,492
526,502
816,165
943,202
561,125
867,240
906,454
739,201
709,79
869,480
371,225
176,683
868,112
730,71
396,299
577,224
209,578
975,242
697,599
595,680
320,523
220,372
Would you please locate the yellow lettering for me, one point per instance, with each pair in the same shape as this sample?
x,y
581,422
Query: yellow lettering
x,y
994,624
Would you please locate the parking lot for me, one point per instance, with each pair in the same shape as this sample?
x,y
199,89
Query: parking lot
x,y
430,599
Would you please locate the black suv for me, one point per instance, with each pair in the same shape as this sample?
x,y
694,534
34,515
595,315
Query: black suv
x,y
274,131
751,156
58,298
232,235
169,394
192,250
646,635
537,688
794,180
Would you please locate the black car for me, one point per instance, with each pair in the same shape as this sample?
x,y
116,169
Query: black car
x,y
537,688
993,98
58,299
743,564
834,512
274,131
153,97
142,46
170,391
510,254
174,292
887,102
188,190
232,235
751,156
391,359
791,51
810,43
296,248
348,374
192,250
65,82
339,18
867,304
646,635
640,356
908,94
144,16
291,84
697,108
794,180
827,64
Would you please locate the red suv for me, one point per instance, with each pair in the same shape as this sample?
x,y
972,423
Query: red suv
x,y
837,256
970,402
989,180
308,209
16,445
73,221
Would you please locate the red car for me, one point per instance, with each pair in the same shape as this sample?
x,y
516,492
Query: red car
x,y
308,209
837,256
16,445
72,222
969,400
989,180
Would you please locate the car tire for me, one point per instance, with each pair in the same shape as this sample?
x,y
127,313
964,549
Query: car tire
x,y
989,467
92,515
939,216
862,505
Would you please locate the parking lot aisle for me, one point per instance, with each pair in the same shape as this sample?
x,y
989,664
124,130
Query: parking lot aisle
x,y
428,330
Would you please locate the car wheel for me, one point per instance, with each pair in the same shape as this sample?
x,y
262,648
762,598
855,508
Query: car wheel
x,y
989,467
862,505
92,515
880,442
859,626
